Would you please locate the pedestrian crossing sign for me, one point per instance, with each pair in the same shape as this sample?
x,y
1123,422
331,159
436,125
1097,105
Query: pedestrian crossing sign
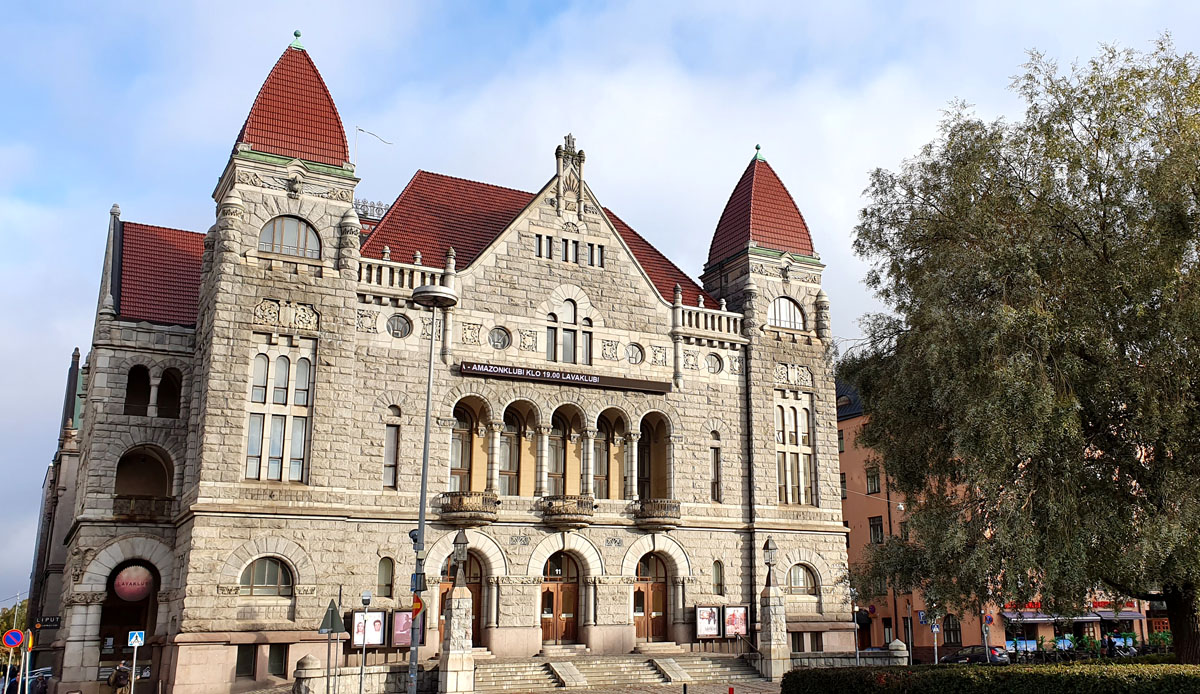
x,y
137,638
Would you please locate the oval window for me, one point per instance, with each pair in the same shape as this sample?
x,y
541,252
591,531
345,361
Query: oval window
x,y
399,327
714,364
635,354
499,338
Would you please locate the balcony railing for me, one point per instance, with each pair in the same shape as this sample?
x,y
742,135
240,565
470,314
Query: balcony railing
x,y
468,508
568,511
657,514
141,508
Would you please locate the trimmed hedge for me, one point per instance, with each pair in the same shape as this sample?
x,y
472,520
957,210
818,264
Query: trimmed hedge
x,y
982,679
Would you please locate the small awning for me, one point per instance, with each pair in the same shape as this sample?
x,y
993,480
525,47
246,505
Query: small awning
x,y
1043,618
1108,616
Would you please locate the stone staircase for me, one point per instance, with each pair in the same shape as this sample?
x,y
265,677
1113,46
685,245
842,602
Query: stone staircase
x,y
618,671
658,648
518,676
718,668
563,651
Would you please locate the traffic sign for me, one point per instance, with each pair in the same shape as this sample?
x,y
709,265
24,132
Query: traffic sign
x,y
137,638
921,617
935,628
418,582
988,619
332,624
13,638
418,605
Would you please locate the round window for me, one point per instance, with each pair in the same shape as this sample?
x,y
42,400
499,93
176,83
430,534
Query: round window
x,y
714,364
499,338
635,354
398,326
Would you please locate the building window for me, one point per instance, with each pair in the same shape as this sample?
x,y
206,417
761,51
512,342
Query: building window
x,y
266,576
714,459
634,353
303,382
510,454
137,391
818,644
951,631
296,467
275,447
601,448
843,477
566,249
797,641
841,441
169,387
876,524
718,578
568,346
254,446
904,530
383,583
277,660
873,480
714,364
802,580
795,462
785,313
600,256
556,466
591,254
391,455
399,326
499,338
247,656
286,442
552,338
258,383
461,442
282,367
537,244
585,343
290,236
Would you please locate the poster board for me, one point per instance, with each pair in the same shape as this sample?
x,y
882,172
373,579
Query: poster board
x,y
708,621
735,620
368,624
402,628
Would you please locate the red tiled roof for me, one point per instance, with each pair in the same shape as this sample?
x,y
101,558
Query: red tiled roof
x,y
761,210
294,116
435,212
160,274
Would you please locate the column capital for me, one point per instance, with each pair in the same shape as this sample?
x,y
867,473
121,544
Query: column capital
x,y
543,431
589,433
632,436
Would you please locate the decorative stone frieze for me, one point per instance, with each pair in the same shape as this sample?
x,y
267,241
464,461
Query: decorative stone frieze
x,y
366,321
793,375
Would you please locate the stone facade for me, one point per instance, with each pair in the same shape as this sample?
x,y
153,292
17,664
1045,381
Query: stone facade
x,y
334,513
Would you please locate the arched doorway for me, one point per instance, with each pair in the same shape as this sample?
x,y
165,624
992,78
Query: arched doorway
x,y
560,599
473,574
650,599
130,604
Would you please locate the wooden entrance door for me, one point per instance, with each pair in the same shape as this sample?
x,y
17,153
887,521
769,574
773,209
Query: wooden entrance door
x,y
560,599
474,576
650,600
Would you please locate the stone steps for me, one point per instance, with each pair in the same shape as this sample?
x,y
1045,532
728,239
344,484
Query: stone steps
x,y
718,669
618,672
658,648
574,650
519,676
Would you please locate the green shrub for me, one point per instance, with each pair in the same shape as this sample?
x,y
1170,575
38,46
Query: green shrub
x,y
981,679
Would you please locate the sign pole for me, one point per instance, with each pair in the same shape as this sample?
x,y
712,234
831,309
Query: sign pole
x,y
133,670
8,668
21,672
328,661
935,640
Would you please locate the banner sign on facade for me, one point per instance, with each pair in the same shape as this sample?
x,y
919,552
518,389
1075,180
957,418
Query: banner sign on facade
x,y
559,377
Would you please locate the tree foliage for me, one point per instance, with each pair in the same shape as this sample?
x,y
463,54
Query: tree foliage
x,y
1033,391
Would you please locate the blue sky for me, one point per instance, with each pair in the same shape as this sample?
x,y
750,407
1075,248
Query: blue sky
x,y
139,104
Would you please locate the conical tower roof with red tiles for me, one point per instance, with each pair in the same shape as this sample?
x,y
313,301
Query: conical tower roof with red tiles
x,y
294,116
762,211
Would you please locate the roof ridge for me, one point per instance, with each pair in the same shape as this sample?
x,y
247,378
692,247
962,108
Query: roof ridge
x,y
654,248
791,198
158,226
471,180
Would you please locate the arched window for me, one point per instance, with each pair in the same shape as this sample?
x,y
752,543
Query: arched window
x,y
804,418
791,426
290,236
718,578
383,585
556,466
282,366
462,441
258,386
951,630
601,448
142,473
714,459
168,394
552,337
510,453
303,381
266,576
785,313
802,580
137,391
391,447
570,311
779,426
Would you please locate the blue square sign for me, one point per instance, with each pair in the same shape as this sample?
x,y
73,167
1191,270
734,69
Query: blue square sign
x,y
921,616
137,638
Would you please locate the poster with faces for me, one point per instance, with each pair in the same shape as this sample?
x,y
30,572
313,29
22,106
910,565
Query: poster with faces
x,y
369,628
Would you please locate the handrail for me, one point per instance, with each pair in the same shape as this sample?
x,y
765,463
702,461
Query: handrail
x,y
743,637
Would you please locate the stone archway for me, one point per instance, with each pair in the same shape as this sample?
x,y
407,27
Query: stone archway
x,y
493,564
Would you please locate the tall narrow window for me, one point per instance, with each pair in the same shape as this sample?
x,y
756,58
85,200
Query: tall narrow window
x,y
391,453
461,443
552,338
795,479
809,483
303,379
841,441
510,454
258,384
282,365
600,255
792,437
566,250
137,391
169,387
843,485
779,425
585,343
600,460
804,435
537,244
570,312
714,457
296,452
275,451
873,480
718,578
568,346
254,441
781,464
591,254
557,465
875,523
383,583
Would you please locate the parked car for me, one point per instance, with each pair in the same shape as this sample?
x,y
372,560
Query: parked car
x,y
976,654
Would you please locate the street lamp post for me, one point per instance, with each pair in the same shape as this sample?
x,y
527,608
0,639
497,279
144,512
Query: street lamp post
x,y
460,557
769,550
433,297
362,661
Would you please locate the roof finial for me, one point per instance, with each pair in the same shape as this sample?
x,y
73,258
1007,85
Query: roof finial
x,y
758,153
296,44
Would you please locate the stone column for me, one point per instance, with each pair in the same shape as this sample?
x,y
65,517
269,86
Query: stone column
x,y
773,643
456,670
678,615
493,465
631,441
589,601
543,452
492,602
587,465
152,405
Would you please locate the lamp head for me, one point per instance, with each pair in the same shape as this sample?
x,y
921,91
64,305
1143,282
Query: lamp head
x,y
366,598
460,547
769,550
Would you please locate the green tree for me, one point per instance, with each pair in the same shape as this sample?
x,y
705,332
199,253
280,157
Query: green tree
x,y
1034,389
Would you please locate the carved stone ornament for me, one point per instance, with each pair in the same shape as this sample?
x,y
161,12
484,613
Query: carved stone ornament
x,y
571,228
229,211
658,356
551,201
470,333
768,270
691,360
228,590
735,365
306,590
425,322
528,340
267,312
590,209
249,178
520,580
306,318
809,277
608,350
366,321
87,598
80,558
793,375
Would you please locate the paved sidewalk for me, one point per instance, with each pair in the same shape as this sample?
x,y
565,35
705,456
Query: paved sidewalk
x,y
739,687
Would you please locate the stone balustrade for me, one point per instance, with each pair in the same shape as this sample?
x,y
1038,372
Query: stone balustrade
x,y
657,514
568,511
468,509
